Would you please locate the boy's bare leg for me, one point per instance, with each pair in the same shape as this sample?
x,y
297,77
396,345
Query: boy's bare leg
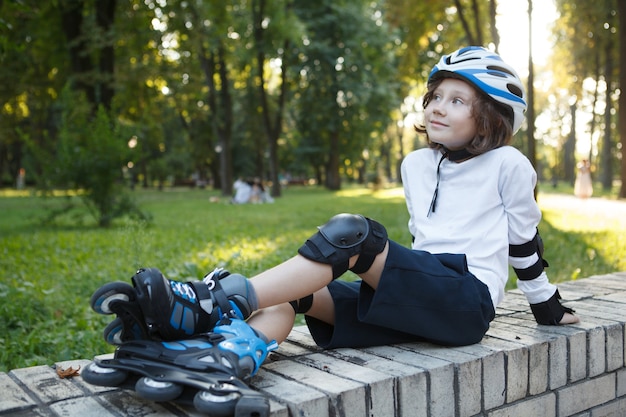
x,y
276,322
298,277
294,279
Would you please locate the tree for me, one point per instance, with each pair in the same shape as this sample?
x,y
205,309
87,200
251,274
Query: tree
x,y
88,28
89,158
33,63
200,38
277,42
588,29
256,87
422,31
347,82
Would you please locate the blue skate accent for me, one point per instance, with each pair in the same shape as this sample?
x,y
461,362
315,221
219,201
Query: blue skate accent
x,y
244,342
187,344
173,346
229,314
183,318
196,344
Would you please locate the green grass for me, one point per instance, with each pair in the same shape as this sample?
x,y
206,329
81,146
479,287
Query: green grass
x,y
48,273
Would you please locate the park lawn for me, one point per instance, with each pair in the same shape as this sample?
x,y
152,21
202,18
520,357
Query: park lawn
x,y
48,273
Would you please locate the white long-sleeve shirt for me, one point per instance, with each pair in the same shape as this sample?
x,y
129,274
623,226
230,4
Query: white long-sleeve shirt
x,y
483,204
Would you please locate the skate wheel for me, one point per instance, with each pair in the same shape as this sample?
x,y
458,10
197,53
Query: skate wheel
x,y
153,390
105,295
219,403
113,332
102,376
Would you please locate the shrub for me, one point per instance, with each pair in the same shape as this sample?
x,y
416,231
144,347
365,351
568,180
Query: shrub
x,y
89,158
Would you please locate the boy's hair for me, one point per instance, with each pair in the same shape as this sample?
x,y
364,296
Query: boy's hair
x,y
493,120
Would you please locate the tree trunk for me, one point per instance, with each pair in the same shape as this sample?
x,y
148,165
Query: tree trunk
x,y
385,159
225,123
569,159
221,114
80,60
530,113
333,181
495,36
622,97
592,125
93,67
471,39
105,17
606,159
274,130
477,23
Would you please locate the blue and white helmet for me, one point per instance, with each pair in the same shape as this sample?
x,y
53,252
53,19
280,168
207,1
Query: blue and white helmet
x,y
489,73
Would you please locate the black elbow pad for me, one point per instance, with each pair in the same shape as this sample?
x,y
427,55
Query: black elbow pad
x,y
534,246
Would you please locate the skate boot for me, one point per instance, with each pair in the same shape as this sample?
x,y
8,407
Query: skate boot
x,y
160,309
207,370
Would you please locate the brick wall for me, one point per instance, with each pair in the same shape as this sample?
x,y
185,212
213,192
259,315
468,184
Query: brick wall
x,y
518,369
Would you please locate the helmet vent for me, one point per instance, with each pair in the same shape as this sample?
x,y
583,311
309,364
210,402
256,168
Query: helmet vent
x,y
496,74
501,69
461,59
515,90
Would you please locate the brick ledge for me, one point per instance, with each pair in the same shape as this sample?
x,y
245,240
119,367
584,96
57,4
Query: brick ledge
x,y
518,369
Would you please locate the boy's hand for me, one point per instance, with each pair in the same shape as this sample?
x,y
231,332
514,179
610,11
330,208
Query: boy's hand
x,y
569,318
552,312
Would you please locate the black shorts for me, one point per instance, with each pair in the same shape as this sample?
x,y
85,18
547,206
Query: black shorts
x,y
420,297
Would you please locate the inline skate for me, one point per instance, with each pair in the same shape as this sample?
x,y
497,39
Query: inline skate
x,y
207,370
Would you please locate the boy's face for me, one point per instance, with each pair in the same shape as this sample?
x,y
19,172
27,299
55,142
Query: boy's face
x,y
448,116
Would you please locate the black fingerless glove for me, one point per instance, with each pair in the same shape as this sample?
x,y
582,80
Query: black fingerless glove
x,y
551,311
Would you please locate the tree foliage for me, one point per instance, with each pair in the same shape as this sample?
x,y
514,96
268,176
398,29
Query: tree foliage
x,y
347,76
209,91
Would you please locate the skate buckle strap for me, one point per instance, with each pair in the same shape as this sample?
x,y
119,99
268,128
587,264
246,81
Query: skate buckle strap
x,y
212,289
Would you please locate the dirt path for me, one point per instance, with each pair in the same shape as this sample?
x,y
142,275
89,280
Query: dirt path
x,y
596,209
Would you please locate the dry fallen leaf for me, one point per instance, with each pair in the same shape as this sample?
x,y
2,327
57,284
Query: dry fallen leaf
x,y
67,373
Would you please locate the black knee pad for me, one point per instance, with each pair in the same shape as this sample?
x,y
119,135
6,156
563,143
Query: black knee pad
x,y
342,237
